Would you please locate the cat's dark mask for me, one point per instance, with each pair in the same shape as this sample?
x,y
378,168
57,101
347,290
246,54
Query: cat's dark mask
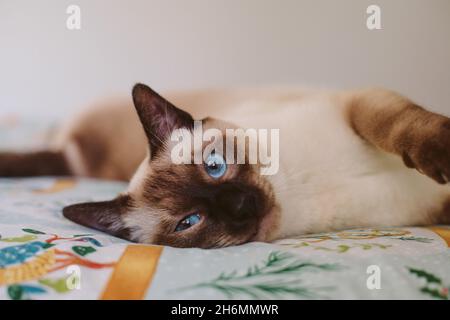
x,y
182,205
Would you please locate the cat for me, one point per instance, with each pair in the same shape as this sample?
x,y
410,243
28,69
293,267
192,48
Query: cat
x,y
347,160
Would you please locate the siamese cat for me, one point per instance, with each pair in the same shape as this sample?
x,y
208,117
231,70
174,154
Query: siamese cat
x,y
346,160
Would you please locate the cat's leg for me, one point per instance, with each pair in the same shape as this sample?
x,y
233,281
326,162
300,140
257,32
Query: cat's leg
x,y
39,163
397,125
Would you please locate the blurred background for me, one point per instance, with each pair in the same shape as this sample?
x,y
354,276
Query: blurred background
x,y
46,69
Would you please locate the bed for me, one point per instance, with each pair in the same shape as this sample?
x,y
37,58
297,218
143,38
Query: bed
x,y
45,256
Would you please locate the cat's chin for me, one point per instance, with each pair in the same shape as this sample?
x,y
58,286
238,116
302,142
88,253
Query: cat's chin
x,y
268,227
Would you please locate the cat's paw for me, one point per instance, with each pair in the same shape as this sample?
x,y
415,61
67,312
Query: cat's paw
x,y
430,153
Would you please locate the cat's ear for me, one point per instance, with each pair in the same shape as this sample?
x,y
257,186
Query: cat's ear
x,y
105,216
158,116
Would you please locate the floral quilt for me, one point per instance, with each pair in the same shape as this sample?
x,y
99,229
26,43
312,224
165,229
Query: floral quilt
x,y
45,256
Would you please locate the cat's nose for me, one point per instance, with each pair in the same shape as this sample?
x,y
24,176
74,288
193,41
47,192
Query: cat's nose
x,y
237,203
245,204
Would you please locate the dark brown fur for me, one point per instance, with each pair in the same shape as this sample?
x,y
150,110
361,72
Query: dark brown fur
x,y
234,208
105,216
395,124
39,163
158,116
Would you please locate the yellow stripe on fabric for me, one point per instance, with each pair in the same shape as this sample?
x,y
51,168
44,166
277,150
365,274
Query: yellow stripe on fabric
x,y
444,233
58,186
133,273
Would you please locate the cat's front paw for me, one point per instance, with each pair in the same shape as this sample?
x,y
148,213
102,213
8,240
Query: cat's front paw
x,y
430,153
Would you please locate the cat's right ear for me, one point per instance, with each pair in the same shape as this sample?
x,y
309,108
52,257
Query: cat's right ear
x,y
158,116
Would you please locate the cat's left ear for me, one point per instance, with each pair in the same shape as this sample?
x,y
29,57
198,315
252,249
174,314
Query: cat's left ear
x,y
158,116
105,216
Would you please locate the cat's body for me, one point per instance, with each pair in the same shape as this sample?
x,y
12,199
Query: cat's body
x,y
340,159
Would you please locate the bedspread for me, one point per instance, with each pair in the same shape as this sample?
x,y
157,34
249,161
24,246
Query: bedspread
x,y
45,256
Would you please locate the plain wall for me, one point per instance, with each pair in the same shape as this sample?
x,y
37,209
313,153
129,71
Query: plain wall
x,y
46,68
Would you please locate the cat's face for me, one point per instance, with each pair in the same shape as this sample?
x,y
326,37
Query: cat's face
x,y
208,204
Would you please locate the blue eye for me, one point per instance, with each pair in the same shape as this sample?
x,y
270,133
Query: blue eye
x,y
215,165
188,222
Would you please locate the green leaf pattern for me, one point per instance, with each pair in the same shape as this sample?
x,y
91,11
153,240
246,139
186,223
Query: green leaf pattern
x,y
279,276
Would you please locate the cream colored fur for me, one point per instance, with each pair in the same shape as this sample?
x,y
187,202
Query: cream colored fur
x,y
329,177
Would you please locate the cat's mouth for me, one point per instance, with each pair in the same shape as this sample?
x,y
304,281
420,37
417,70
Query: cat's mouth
x,y
253,237
268,227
